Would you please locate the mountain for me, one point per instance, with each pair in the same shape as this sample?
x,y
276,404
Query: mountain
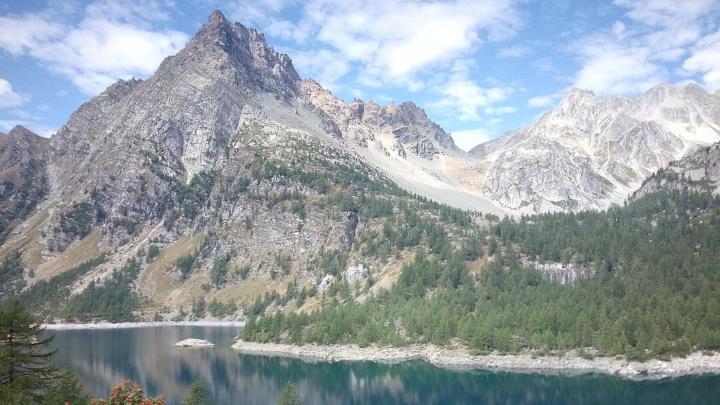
x,y
403,143
23,182
225,184
590,151
223,176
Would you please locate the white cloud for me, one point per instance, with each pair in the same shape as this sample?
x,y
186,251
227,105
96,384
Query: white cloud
x,y
390,41
516,51
8,97
469,138
20,34
705,60
326,64
667,12
112,41
541,101
612,68
630,58
462,97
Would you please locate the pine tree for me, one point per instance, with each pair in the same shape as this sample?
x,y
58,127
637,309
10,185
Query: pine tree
x,y
66,390
25,369
197,394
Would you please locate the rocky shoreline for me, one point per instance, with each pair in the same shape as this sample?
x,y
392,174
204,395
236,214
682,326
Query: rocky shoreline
x,y
125,325
566,364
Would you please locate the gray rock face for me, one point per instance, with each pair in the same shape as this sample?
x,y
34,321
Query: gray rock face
x,y
19,146
182,117
561,273
361,122
699,171
193,150
590,152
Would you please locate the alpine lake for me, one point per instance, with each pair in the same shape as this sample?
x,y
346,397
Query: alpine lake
x,y
103,358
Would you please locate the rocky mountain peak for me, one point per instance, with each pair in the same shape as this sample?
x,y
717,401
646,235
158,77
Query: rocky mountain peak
x,y
17,147
608,145
408,123
20,134
216,17
20,131
576,92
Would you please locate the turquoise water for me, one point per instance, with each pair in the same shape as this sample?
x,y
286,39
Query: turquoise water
x,y
103,358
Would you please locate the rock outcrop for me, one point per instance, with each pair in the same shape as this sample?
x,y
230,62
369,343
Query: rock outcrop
x,y
698,172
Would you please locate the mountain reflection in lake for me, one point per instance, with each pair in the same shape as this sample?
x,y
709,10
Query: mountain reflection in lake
x,y
103,358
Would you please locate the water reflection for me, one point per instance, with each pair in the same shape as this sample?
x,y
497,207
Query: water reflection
x,y
103,358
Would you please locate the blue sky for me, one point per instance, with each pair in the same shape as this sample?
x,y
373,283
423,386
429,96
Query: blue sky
x,y
479,68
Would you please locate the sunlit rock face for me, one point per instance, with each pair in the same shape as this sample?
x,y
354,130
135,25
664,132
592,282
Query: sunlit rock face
x,y
590,151
699,171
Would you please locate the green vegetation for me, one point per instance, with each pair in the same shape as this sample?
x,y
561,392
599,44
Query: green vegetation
x,y
152,252
66,389
113,299
25,369
219,270
219,309
197,394
655,291
11,275
78,221
185,264
195,195
27,375
18,200
46,298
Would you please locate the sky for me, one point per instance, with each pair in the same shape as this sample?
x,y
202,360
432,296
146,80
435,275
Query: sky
x,y
478,68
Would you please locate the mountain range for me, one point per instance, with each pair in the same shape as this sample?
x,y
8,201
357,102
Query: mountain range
x,y
226,159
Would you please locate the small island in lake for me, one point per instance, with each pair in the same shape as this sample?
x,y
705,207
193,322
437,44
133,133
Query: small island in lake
x,y
196,343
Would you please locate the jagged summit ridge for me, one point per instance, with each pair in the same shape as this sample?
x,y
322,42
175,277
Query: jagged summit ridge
x,y
588,152
614,142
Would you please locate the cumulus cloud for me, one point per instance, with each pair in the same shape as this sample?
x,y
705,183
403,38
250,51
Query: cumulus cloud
x,y
469,138
326,64
629,59
705,60
612,68
462,97
8,97
390,40
110,42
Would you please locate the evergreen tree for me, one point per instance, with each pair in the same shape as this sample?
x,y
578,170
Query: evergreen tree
x,y
66,390
25,369
197,394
